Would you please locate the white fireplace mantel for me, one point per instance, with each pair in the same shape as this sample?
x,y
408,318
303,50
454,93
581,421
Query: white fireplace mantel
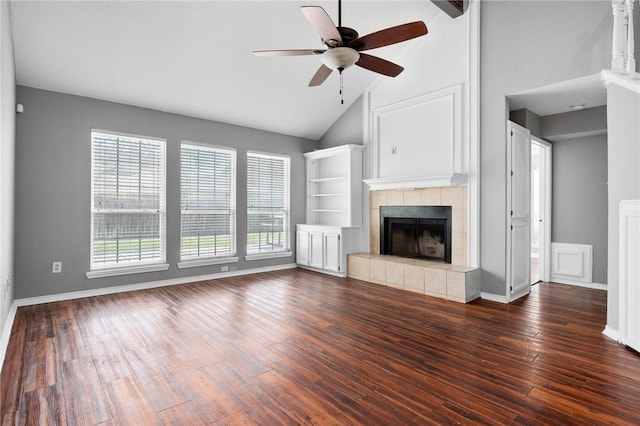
x,y
413,182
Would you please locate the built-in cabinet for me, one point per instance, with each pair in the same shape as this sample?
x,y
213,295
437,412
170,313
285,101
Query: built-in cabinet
x,y
319,247
333,209
334,186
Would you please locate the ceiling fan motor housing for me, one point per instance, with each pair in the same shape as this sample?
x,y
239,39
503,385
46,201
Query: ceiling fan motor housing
x,y
347,34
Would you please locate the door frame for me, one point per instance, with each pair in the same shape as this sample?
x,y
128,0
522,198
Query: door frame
x,y
546,186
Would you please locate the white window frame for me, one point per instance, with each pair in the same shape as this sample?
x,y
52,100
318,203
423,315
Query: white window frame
x,y
285,251
106,269
204,260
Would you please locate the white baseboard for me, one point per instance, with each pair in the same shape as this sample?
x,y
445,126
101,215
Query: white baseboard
x,y
521,293
504,299
494,297
143,286
6,330
596,286
324,271
611,333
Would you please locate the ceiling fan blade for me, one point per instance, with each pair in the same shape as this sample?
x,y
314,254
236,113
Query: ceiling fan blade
x,y
322,23
379,65
320,76
389,36
292,52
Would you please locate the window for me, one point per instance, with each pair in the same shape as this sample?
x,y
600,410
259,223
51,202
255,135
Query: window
x,y
208,202
127,201
267,203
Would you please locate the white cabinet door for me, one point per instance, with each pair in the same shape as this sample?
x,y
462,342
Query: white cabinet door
x,y
316,252
302,248
332,252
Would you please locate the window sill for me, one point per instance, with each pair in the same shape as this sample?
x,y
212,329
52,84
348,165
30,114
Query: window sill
x,y
112,272
206,262
271,255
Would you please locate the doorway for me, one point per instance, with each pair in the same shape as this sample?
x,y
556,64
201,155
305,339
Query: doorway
x,y
540,210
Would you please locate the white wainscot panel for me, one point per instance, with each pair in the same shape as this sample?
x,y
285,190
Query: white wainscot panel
x,y
419,140
630,273
571,263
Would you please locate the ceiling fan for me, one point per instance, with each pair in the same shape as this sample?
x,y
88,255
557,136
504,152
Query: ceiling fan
x,y
344,46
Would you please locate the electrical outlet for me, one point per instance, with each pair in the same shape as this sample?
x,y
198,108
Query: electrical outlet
x,y
8,285
224,269
56,267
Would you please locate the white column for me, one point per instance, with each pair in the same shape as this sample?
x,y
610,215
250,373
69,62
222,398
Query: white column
x,y
619,39
631,60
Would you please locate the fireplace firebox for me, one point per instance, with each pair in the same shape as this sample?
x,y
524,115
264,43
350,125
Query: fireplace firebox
x,y
422,232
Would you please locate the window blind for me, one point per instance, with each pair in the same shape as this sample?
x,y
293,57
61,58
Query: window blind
x,y
267,203
127,200
208,202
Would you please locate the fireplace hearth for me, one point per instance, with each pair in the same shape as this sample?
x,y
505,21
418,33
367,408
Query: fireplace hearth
x,y
422,232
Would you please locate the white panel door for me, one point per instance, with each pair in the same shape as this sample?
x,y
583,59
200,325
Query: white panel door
x,y
316,250
302,248
518,209
332,252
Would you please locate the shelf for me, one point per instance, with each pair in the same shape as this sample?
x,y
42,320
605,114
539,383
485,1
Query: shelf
x,y
329,195
334,186
330,179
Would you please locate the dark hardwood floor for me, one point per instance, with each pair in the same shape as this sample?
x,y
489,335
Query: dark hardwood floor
x,y
297,347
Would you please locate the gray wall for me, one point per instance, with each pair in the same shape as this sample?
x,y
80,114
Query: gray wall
x,y
579,206
574,124
7,151
347,129
525,45
527,119
53,188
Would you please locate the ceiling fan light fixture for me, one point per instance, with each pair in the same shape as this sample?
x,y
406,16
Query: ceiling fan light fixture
x,y
340,58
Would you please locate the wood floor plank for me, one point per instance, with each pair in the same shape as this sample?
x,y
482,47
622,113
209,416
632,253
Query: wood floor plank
x,y
108,357
160,388
301,408
84,395
44,406
212,401
250,397
128,402
41,364
298,347
186,413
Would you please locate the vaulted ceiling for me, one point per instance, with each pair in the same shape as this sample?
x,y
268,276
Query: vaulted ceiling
x,y
194,58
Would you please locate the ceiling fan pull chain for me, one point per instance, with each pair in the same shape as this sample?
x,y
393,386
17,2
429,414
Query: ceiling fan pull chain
x,y
341,87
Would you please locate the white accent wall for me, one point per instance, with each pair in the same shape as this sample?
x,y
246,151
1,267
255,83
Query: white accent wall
x,y
623,153
7,155
418,126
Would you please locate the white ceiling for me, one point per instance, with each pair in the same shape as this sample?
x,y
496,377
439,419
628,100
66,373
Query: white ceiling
x,y
194,58
588,91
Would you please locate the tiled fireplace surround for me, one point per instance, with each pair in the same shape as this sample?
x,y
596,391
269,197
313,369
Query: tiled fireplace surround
x,y
456,281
